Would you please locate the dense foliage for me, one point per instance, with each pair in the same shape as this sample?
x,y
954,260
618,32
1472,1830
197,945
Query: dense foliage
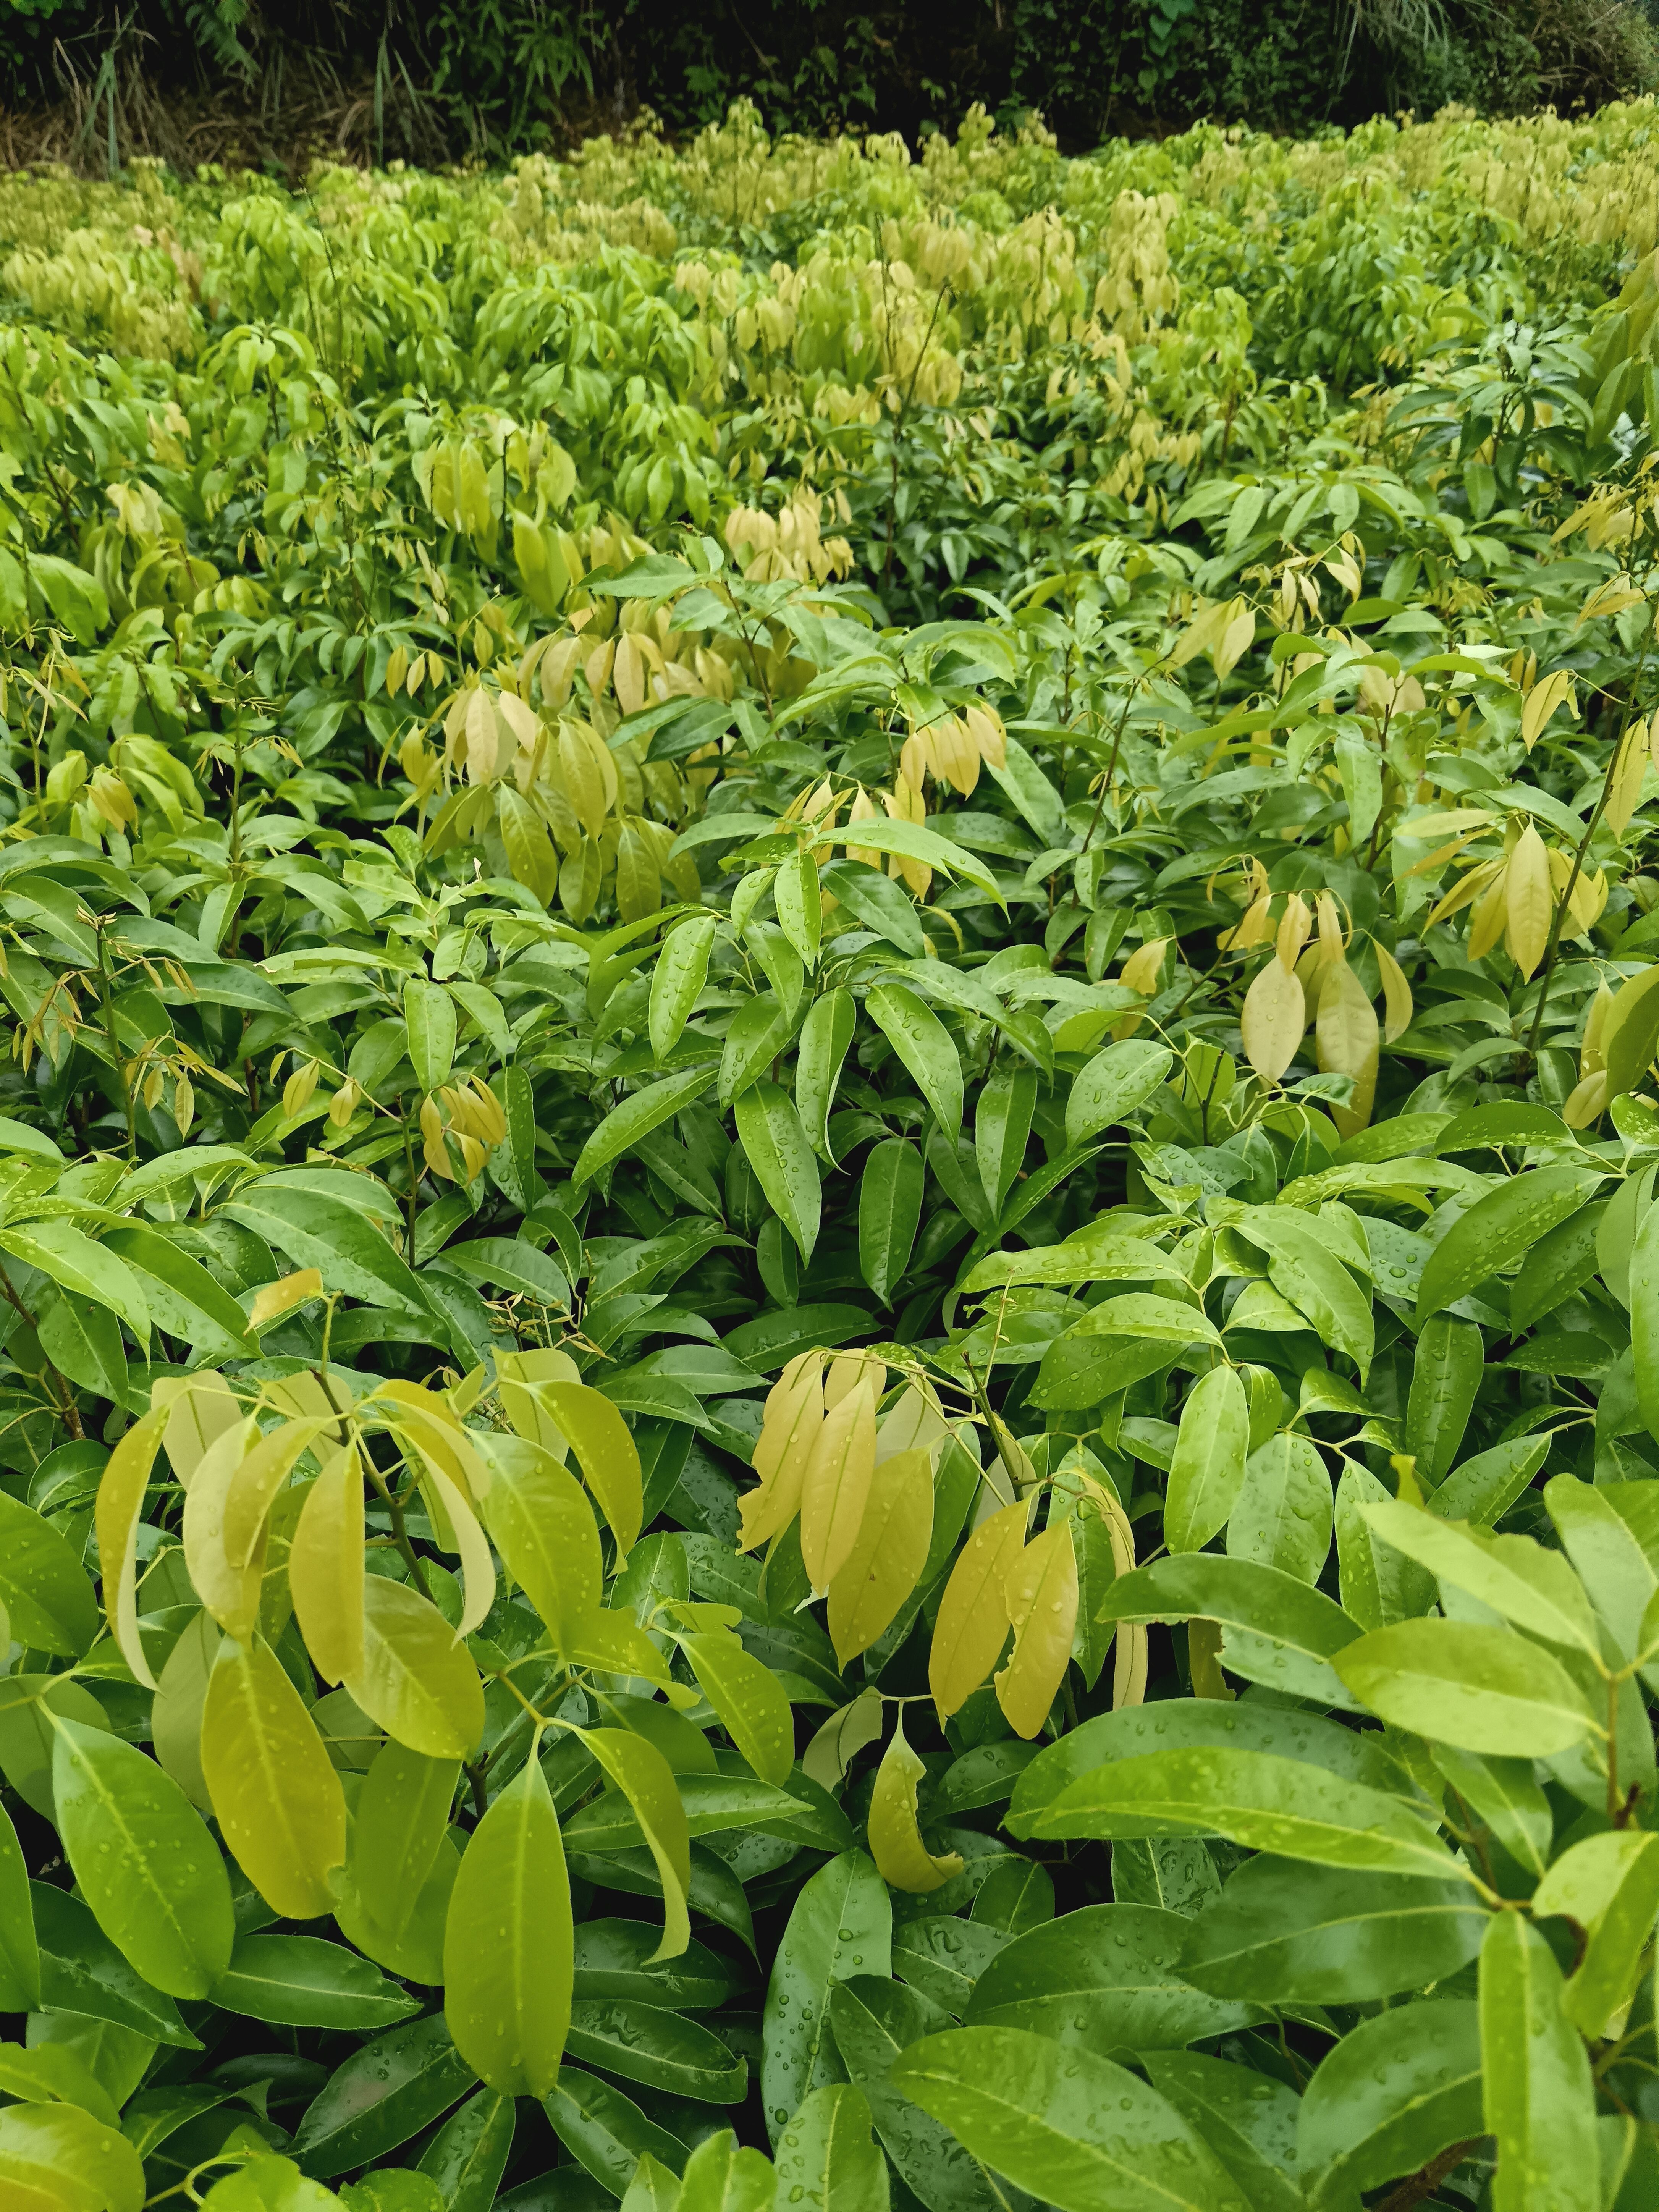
x,y
196,79
832,1304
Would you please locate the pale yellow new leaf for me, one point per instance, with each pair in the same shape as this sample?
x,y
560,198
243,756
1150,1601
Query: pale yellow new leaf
x,y
606,1454
180,1697
326,1568
277,1797
836,1483
508,1942
1541,703
415,1681
888,1556
230,1592
1625,791
517,1373
272,1300
1397,993
902,1860
914,1422
119,1509
638,1769
789,1428
1041,1589
1348,1044
542,1522
257,1480
1273,1020
847,1371
1528,901
1490,914
972,1626
199,1408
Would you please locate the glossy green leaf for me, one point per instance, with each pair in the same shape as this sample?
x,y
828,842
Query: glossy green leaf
x,y
1537,2098
469,2154
300,1981
1391,2095
1482,1689
386,2091
776,1147
1207,1473
1498,1230
1284,1932
1446,1373
144,1859
889,1211
825,2157
841,1924
1106,1976
924,1047
1067,2125
825,1036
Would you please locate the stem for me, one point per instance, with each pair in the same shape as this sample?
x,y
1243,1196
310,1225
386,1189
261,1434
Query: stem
x,y
1426,2179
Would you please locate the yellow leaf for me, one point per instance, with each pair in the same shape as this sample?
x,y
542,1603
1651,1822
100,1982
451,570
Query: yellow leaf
x,y
277,1799
902,1860
888,1556
1141,971
1625,791
180,1699
517,1373
257,1480
972,1626
606,1454
1590,1052
1490,913
793,1416
1397,993
543,1526
914,1422
638,1769
1273,1020
1528,902
199,1408
415,1681
477,1569
1587,1101
1041,1589
1541,703
326,1568
1293,927
1129,1668
120,1505
1466,888
229,1591
282,1296
1348,1044
836,1483
846,1371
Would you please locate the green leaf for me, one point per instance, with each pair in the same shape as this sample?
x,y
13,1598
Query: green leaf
x,y
1247,2120
55,2156
1614,1568
20,1954
49,1599
541,1522
873,2022
1516,1578
385,2093
1390,2097
145,1860
678,980
840,1925
1482,1689
637,1116
913,842
890,1211
721,2177
1067,2125
1282,1932
1258,1799
1302,1268
1002,1128
181,1295
1107,1977
644,2043
1608,1885
606,2131
269,2184
1113,1085
1206,1472
825,2157
924,1048
1282,1516
300,1981
430,1015
825,1036
1539,2099
615,1958
345,1247
1504,1793
775,1146
416,1682
759,1033
1498,1230
1485,1487
1279,1632
394,1845
508,1942
878,903
468,2155
81,1972
1445,1375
